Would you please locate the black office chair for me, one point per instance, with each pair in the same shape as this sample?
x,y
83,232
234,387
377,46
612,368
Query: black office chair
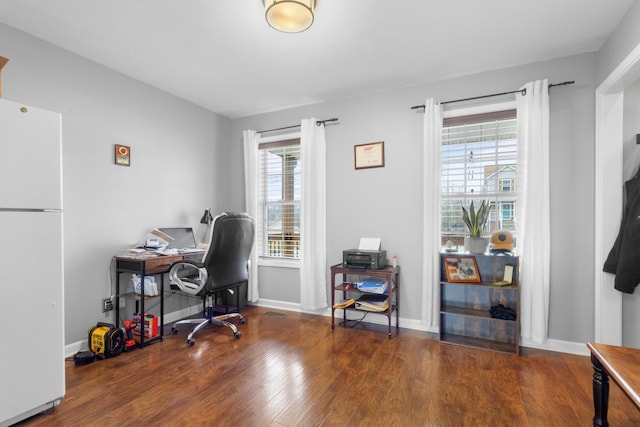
x,y
223,270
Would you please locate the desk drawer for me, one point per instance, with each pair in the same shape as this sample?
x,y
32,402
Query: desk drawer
x,y
130,265
160,265
197,257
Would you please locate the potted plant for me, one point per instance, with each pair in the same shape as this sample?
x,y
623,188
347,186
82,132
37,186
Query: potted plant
x,y
475,222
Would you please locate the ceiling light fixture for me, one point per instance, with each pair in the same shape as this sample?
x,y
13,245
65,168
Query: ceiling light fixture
x,y
289,16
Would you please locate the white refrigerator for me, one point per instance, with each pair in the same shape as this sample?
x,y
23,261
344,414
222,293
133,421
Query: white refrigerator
x,y
32,377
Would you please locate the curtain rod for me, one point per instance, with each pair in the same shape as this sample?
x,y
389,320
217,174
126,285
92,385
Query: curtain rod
x,y
523,91
318,123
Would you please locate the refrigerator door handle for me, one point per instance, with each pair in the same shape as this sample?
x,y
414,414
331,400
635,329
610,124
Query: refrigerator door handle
x,y
28,210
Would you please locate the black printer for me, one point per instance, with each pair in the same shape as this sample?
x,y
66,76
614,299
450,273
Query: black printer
x,y
357,258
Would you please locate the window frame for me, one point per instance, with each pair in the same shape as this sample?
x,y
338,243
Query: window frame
x,y
511,210
463,112
264,260
509,188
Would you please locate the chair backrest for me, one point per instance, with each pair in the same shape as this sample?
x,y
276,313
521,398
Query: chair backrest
x,y
230,245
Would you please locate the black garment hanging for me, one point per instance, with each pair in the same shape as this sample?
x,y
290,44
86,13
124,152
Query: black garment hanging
x,y
624,257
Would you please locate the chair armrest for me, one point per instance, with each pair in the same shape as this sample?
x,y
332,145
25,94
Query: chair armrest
x,y
191,263
188,284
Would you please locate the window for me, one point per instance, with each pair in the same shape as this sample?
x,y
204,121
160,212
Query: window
x,y
507,185
279,190
507,211
479,157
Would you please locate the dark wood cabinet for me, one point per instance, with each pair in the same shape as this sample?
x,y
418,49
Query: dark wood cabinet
x,y
465,308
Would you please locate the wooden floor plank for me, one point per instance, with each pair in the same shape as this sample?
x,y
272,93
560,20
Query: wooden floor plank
x,y
294,370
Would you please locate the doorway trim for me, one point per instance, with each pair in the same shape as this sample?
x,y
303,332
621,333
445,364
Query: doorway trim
x,y
609,182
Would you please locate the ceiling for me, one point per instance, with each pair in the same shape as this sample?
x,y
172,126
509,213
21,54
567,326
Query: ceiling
x,y
223,56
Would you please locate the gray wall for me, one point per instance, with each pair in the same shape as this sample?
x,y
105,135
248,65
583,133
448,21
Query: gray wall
x,y
179,163
387,202
185,159
619,44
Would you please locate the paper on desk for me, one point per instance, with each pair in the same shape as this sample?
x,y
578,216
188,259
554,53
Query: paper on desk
x,y
369,244
164,236
160,240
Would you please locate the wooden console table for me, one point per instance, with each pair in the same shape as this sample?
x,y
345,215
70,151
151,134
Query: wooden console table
x,y
620,363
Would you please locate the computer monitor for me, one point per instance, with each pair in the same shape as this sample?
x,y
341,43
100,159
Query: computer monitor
x,y
182,237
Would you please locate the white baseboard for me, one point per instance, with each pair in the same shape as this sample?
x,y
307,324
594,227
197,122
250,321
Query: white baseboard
x,y
181,314
550,345
269,303
578,348
73,348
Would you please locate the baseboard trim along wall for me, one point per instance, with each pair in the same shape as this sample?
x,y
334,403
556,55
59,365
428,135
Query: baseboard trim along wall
x,y
73,348
550,345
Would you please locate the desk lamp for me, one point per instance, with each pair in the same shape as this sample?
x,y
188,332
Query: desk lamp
x,y
207,218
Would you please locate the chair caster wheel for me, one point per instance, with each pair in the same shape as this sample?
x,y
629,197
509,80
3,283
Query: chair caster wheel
x,y
243,320
174,329
237,334
191,341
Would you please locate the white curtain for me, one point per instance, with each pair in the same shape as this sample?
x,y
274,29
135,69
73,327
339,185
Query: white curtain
x,y
313,217
251,142
431,206
533,210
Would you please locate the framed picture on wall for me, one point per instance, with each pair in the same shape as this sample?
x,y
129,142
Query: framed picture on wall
x,y
122,155
369,155
461,268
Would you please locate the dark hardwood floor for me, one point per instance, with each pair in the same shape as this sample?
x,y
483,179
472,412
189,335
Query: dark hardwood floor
x,y
291,369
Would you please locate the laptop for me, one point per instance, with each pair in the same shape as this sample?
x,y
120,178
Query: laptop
x,y
183,237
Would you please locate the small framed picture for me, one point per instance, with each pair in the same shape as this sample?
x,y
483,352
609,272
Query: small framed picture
x,y
122,155
507,277
461,269
369,155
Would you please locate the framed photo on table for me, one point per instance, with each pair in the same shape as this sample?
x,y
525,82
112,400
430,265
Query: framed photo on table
x,y
369,155
461,269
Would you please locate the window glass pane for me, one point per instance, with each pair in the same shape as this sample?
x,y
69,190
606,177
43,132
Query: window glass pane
x,y
283,230
478,162
280,173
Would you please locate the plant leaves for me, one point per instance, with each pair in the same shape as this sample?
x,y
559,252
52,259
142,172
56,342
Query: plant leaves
x,y
476,220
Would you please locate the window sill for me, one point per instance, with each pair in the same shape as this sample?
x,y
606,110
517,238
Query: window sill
x,y
279,262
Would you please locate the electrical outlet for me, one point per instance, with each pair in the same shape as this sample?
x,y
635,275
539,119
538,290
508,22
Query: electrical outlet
x,y
122,302
107,305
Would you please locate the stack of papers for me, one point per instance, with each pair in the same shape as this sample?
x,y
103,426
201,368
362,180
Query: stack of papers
x,y
373,302
373,285
344,304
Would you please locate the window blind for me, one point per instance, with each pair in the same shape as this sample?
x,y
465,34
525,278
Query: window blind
x,y
279,175
479,157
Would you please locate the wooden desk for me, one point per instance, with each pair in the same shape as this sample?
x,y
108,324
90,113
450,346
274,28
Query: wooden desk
x,y
623,365
147,265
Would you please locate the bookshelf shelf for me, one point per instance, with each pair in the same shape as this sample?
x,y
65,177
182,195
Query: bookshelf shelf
x,y
346,290
465,317
466,341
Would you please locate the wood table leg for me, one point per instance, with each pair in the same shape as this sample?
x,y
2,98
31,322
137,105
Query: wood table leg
x,y
600,393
